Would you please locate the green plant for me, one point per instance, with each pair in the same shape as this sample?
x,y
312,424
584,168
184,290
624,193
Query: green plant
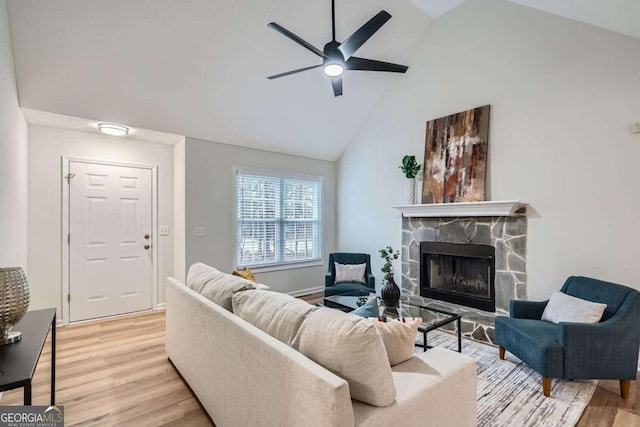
x,y
388,255
409,166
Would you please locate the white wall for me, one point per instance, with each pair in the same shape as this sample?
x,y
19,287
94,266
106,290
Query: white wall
x,y
13,158
179,195
47,145
563,96
210,203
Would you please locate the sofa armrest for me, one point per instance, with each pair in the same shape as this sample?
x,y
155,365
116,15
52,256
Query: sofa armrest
x,y
371,281
434,388
607,349
328,280
521,309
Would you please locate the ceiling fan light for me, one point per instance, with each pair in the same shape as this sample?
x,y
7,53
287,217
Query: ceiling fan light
x,y
333,70
113,129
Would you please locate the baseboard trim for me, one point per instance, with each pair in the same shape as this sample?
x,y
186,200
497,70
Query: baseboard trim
x,y
307,291
161,306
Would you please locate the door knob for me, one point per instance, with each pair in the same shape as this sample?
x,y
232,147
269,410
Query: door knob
x,y
146,236
147,247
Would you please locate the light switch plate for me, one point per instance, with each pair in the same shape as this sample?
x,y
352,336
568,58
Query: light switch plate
x,y
635,128
164,230
199,231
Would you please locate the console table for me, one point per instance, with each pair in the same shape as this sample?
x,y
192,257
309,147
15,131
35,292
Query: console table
x,y
18,360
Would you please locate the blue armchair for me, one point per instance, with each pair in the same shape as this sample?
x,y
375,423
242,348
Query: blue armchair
x,y
604,350
333,288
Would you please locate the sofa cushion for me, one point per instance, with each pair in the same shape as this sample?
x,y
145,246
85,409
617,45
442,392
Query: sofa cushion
x,y
279,315
350,272
351,347
215,285
398,336
346,288
565,308
535,342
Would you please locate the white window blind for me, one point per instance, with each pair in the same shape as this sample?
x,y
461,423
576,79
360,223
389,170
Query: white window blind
x,y
277,218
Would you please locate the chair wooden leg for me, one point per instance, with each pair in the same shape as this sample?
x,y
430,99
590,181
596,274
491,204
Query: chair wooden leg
x,y
546,386
625,388
502,352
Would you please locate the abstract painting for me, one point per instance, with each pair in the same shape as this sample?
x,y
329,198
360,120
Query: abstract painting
x,y
455,157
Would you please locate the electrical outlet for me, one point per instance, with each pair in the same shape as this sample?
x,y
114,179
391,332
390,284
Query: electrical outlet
x,y
164,230
199,231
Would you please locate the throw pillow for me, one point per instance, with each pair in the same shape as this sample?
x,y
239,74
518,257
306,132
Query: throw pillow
x,y
215,285
398,336
246,274
370,309
566,308
350,272
279,315
350,347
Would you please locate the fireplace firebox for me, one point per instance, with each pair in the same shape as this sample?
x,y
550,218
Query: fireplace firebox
x,y
458,273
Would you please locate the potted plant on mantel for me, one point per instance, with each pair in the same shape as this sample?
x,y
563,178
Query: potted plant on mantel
x,y
410,169
390,292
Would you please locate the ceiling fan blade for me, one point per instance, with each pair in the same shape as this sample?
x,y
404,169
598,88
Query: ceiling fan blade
x,y
355,63
299,70
364,33
336,83
297,39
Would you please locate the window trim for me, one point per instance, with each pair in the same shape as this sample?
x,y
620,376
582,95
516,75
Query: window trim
x,y
283,265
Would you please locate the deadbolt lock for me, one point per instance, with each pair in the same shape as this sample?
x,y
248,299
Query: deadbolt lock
x,y
146,236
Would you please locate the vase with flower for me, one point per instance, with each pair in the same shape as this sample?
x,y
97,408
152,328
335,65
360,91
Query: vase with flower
x,y
390,292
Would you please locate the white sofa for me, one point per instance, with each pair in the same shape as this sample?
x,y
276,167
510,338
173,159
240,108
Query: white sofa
x,y
244,377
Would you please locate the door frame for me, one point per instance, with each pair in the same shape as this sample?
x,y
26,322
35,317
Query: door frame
x,y
66,289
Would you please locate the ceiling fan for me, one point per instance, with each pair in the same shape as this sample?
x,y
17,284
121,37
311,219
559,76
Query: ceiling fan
x,y
338,57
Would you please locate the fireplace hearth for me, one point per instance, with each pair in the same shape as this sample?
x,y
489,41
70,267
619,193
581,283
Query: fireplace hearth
x,y
458,273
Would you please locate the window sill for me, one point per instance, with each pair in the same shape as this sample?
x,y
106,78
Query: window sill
x,y
284,266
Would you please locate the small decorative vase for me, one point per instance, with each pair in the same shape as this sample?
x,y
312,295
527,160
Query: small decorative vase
x,y
390,294
411,191
14,301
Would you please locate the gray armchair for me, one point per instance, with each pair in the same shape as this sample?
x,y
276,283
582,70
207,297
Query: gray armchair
x,y
604,350
333,288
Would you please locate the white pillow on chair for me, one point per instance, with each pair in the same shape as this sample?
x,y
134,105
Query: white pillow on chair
x,y
350,272
565,308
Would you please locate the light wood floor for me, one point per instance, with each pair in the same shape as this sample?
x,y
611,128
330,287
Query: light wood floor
x,y
115,372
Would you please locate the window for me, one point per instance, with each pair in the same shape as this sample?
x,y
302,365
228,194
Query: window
x,y
277,218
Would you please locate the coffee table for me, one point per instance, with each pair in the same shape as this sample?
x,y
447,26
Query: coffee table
x,y
432,318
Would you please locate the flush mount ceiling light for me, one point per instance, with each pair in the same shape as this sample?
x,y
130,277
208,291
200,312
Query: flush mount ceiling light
x,y
338,57
113,129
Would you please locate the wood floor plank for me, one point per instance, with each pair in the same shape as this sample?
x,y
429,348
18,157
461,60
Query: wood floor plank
x,y
116,372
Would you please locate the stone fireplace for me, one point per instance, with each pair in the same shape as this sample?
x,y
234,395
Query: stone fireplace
x,y
499,237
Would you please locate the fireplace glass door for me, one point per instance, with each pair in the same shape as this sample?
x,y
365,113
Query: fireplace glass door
x,y
459,273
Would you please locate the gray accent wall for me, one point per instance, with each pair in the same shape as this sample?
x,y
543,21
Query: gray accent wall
x,y
210,203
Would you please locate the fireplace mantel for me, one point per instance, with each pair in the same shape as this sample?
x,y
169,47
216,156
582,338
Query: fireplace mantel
x,y
491,208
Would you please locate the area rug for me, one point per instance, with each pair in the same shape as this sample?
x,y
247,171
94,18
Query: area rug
x,y
510,393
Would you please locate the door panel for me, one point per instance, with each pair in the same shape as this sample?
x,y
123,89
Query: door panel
x,y
110,271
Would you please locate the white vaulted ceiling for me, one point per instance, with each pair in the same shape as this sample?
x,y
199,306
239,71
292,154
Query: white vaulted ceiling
x,y
198,67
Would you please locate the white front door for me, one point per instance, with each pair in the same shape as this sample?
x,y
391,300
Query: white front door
x,y
110,256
